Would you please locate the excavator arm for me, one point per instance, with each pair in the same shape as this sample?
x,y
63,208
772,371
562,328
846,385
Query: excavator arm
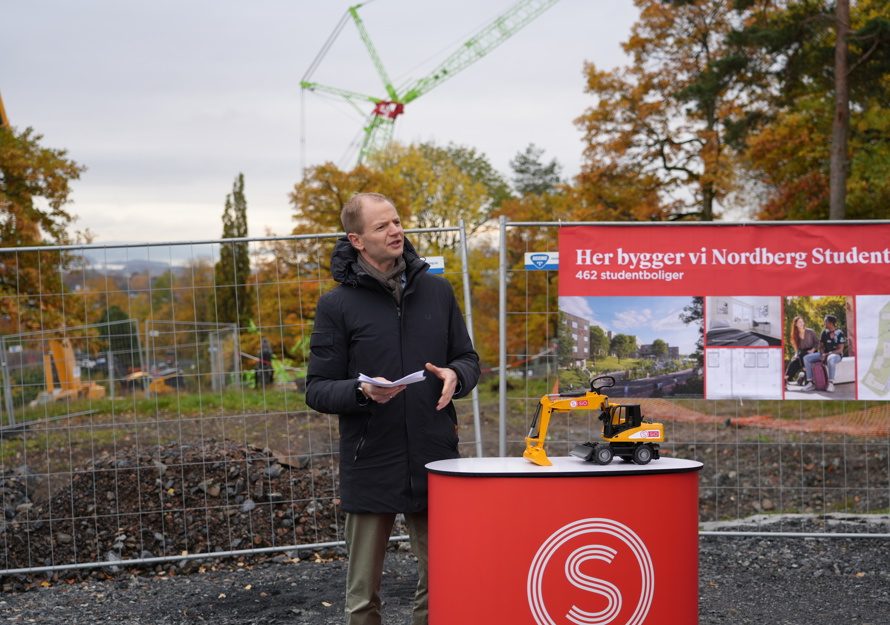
x,y
537,434
558,402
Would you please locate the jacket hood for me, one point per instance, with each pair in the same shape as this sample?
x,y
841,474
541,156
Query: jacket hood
x,y
346,270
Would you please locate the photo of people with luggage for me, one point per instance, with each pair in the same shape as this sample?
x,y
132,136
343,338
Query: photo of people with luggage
x,y
823,367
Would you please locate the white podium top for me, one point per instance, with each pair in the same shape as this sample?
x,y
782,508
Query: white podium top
x,y
563,466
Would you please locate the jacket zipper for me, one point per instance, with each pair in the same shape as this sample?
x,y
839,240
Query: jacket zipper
x,y
361,441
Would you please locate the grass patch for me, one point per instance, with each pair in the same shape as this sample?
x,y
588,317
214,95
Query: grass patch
x,y
230,401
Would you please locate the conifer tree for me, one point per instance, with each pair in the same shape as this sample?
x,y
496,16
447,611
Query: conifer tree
x,y
233,267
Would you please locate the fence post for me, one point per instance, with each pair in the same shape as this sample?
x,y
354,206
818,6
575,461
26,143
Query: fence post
x,y
236,366
109,364
7,384
468,306
212,349
502,337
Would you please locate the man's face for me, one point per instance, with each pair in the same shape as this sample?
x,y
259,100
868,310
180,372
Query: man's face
x,y
382,241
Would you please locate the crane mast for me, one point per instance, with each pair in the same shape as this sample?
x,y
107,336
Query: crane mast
x,y
379,126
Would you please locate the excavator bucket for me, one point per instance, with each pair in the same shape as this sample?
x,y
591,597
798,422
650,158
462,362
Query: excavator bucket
x,y
536,453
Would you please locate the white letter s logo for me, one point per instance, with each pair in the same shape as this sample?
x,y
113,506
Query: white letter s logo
x,y
592,584
581,530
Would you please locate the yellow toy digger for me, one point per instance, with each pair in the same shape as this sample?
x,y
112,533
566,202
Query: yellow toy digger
x,y
625,433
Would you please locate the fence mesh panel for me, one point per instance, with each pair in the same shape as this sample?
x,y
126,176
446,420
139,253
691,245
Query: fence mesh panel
x,y
153,406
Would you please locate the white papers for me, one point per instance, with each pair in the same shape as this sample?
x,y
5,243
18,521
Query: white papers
x,y
417,376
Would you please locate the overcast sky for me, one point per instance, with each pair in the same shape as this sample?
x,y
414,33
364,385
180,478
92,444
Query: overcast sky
x,y
166,102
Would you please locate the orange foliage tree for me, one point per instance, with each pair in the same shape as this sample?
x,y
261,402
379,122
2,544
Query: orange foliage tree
x,y
655,136
34,194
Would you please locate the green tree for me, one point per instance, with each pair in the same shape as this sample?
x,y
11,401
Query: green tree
x,y
623,345
659,348
233,267
531,176
162,295
566,345
694,312
119,337
599,342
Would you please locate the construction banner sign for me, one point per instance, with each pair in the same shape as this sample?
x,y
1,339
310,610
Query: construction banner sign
x,y
769,311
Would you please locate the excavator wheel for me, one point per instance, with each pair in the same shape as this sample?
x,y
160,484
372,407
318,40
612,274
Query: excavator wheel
x,y
642,454
602,454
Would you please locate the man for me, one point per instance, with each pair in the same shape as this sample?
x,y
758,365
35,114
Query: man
x,y
832,341
386,319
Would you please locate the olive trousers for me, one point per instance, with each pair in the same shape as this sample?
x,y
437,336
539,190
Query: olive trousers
x,y
367,536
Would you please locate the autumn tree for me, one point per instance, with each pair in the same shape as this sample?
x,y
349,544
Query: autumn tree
x,y
35,190
542,198
441,186
233,266
798,146
431,187
655,134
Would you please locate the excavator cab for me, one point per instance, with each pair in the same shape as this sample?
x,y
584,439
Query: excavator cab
x,y
617,418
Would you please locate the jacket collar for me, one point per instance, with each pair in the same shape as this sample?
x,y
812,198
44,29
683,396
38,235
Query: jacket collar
x,y
346,270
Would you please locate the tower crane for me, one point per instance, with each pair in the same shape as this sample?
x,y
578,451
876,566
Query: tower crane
x,y
379,125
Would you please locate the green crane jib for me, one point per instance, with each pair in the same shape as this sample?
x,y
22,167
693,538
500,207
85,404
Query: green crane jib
x,y
379,127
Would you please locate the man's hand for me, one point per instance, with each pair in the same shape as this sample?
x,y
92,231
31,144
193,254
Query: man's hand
x,y
449,377
381,394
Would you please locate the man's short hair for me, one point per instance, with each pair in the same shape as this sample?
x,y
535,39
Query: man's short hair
x,y
831,319
351,216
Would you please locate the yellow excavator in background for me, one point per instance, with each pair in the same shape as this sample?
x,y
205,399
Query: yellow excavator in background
x,y
4,122
158,381
625,433
59,364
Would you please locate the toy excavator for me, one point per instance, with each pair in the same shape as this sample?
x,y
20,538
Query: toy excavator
x,y
625,433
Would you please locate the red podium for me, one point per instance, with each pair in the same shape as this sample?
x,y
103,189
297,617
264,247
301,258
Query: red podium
x,y
575,543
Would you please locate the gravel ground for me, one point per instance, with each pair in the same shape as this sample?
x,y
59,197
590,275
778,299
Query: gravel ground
x,y
217,495
742,580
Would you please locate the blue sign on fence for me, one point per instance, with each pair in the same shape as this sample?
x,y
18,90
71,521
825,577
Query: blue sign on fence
x,y
542,260
437,263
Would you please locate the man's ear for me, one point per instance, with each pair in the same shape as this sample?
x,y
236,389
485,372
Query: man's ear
x,y
356,241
